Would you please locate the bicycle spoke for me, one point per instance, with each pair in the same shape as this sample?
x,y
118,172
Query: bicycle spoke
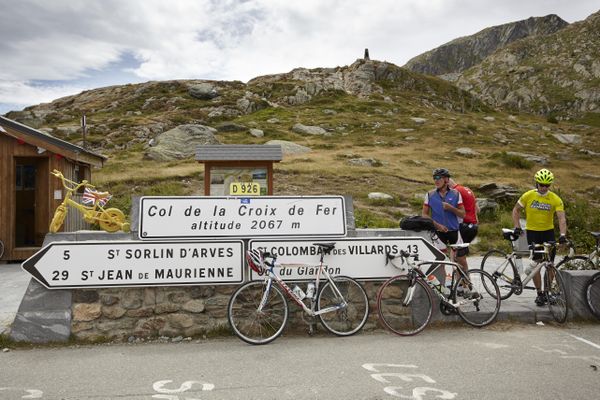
x,y
250,324
593,295
350,318
397,313
557,298
480,302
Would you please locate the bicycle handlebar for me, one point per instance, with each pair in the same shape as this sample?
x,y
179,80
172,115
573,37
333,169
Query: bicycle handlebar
x,y
76,185
403,255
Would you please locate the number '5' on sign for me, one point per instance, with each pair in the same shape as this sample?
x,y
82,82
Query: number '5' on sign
x,y
245,188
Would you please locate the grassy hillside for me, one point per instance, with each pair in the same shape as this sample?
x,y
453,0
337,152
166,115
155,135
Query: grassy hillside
x,y
367,110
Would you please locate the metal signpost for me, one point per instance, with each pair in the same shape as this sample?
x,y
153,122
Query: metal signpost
x,y
69,265
359,258
241,217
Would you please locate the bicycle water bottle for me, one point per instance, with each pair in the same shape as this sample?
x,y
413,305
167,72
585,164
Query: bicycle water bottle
x,y
310,290
437,284
298,292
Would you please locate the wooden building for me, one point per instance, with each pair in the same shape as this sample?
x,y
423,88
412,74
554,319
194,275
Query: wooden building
x,y
230,166
28,193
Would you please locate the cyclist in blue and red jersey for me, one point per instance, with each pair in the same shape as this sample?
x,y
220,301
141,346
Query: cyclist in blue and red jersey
x,y
445,206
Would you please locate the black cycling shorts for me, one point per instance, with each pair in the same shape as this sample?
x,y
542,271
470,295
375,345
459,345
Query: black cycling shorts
x,y
539,237
467,233
451,237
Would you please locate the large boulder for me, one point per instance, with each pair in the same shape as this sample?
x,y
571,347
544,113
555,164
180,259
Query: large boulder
x,y
181,142
289,148
203,91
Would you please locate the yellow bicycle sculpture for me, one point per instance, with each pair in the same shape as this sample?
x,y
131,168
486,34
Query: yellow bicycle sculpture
x,y
109,219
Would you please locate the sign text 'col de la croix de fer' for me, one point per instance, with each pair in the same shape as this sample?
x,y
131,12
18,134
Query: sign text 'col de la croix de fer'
x,y
265,216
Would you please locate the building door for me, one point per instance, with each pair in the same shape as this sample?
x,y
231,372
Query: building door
x,y
27,197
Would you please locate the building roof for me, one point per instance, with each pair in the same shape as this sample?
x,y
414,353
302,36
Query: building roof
x,y
239,152
34,137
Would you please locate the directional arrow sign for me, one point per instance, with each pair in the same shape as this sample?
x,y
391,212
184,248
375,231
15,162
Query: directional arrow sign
x,y
361,258
71,265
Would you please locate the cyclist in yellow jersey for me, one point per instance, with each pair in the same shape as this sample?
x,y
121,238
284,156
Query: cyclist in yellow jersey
x,y
540,205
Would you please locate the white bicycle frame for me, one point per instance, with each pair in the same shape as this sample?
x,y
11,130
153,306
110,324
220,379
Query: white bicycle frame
x,y
417,265
512,256
272,276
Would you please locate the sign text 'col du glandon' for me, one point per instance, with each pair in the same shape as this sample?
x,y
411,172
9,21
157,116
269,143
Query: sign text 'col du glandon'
x,y
265,216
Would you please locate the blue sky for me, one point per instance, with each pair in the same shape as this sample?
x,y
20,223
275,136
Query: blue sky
x,y
51,49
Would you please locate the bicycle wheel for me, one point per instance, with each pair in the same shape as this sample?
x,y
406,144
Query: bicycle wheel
x,y
348,320
112,220
58,219
247,322
478,307
401,315
557,294
503,271
592,294
575,263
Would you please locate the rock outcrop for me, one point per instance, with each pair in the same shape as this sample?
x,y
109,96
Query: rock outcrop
x,y
462,53
181,142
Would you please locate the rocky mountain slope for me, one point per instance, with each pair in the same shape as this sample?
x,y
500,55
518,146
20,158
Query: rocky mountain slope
x,y
556,74
462,53
120,117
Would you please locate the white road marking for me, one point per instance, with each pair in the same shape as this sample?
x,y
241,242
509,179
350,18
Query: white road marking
x,y
586,341
372,366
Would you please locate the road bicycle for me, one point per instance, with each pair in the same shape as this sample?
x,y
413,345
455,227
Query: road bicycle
x,y
109,219
503,266
405,301
258,310
592,288
592,294
503,269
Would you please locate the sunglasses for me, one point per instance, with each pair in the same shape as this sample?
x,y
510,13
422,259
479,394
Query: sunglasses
x,y
543,185
437,177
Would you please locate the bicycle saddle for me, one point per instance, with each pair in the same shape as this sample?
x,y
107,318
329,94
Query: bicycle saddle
x,y
595,234
325,247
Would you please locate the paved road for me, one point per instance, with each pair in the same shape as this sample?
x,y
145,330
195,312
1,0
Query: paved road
x,y
13,283
500,362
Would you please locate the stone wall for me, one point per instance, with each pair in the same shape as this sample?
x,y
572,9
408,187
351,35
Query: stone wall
x,y
191,311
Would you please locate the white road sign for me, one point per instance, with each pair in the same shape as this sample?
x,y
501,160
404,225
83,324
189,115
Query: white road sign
x,y
69,265
241,217
360,258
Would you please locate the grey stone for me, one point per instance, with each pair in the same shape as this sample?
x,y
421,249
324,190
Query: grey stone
x,y
230,127
181,142
466,152
257,133
567,138
575,282
308,130
41,326
194,306
530,157
380,196
86,312
364,162
85,296
203,91
289,148
419,121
